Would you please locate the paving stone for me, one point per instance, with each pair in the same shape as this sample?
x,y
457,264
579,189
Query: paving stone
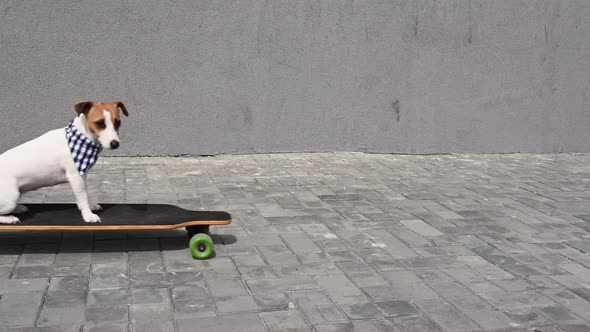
x,y
421,228
236,304
106,297
391,244
5,271
516,299
367,310
397,309
257,272
278,255
489,319
574,328
14,286
58,328
416,324
69,270
279,285
61,316
577,270
109,268
103,314
561,315
61,299
249,322
573,302
105,328
222,288
308,269
249,261
445,315
527,317
149,295
204,307
20,309
361,325
152,326
299,242
150,312
485,268
340,289
317,306
31,271
69,284
280,301
287,320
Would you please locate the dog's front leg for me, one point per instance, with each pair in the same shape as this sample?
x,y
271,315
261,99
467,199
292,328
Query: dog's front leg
x,y
94,206
79,188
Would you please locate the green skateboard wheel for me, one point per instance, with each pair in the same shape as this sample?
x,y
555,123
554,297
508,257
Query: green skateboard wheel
x,y
201,246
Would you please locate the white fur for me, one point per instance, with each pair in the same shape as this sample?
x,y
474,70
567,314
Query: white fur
x,y
108,134
42,162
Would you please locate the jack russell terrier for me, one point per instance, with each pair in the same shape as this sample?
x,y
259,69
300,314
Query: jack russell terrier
x,y
59,156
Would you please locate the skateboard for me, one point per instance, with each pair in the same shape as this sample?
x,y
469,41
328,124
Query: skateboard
x,y
126,217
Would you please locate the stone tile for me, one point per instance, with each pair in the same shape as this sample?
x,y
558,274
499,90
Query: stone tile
x,y
421,227
222,288
61,316
416,324
340,289
61,299
361,325
445,315
236,304
204,307
104,314
69,284
279,285
149,295
287,320
105,328
20,309
18,286
31,271
516,299
150,312
107,297
249,322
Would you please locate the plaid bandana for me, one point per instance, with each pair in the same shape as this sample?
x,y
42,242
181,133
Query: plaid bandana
x,y
84,150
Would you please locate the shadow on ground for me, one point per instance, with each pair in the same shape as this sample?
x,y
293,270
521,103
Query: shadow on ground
x,y
33,242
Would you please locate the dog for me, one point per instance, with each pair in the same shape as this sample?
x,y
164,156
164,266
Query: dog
x,y
59,156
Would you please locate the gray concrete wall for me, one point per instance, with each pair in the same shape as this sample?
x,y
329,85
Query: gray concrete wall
x,y
211,76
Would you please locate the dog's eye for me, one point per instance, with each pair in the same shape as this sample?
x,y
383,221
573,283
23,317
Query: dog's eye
x,y
117,124
100,124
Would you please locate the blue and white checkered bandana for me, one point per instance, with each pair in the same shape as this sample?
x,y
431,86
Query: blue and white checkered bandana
x,y
84,150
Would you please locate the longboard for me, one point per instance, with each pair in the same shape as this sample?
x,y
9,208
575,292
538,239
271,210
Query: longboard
x,y
125,217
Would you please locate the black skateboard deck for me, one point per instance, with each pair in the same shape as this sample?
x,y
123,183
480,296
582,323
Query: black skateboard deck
x,y
67,217
125,217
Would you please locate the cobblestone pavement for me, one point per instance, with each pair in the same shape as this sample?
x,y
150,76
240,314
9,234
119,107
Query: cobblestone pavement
x,y
319,242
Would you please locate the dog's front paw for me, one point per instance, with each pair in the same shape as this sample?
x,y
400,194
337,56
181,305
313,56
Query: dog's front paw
x,y
91,217
95,207
9,220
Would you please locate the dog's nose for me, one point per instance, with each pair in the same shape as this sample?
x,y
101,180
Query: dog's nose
x,y
114,144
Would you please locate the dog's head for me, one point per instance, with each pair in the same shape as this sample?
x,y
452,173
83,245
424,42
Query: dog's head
x,y
103,121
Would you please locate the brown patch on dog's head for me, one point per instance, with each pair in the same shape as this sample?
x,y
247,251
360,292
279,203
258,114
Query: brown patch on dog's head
x,y
95,114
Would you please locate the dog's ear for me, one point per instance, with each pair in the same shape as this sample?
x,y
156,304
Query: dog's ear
x,y
83,107
122,107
